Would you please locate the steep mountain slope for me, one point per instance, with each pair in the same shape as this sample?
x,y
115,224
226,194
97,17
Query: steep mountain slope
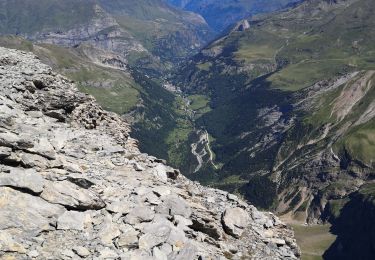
x,y
105,77
74,185
146,33
118,52
355,220
168,33
220,14
291,113
155,113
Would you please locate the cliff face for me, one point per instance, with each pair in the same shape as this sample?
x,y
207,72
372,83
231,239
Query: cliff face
x,y
354,220
74,184
146,34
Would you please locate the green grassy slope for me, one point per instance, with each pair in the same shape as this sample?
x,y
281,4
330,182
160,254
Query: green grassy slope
x,y
300,46
147,38
269,123
159,118
23,16
166,32
168,35
313,240
115,90
292,124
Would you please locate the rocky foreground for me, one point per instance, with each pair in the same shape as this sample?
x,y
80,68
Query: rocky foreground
x,y
73,184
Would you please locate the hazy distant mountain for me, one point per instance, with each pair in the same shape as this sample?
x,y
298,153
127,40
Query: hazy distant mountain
x,y
141,31
221,13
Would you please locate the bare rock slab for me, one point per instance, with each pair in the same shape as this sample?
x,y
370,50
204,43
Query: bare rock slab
x,y
235,220
72,220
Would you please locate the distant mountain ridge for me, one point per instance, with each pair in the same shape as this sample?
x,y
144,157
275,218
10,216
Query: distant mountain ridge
x,y
220,14
145,33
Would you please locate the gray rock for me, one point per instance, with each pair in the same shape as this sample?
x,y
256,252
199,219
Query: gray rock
x,y
142,190
32,219
138,167
81,251
109,150
58,114
174,205
108,253
166,248
128,238
5,151
259,217
158,254
268,224
139,215
152,198
68,253
160,171
206,225
108,231
139,254
278,241
33,254
34,160
187,252
24,179
182,223
73,220
44,148
235,220
155,235
177,238
232,197
121,207
71,195
161,191
8,244
8,139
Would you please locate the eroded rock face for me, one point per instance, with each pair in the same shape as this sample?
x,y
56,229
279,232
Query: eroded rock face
x,y
73,184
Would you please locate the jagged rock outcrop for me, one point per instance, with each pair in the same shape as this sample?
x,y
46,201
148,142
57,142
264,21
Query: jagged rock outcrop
x,y
73,184
242,26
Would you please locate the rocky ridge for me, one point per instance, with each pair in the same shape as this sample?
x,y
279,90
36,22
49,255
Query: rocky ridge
x,y
73,184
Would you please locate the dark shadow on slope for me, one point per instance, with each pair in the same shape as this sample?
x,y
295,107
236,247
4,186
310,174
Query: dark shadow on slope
x,y
355,230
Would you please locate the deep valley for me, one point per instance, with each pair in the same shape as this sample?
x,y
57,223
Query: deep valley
x,y
273,102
